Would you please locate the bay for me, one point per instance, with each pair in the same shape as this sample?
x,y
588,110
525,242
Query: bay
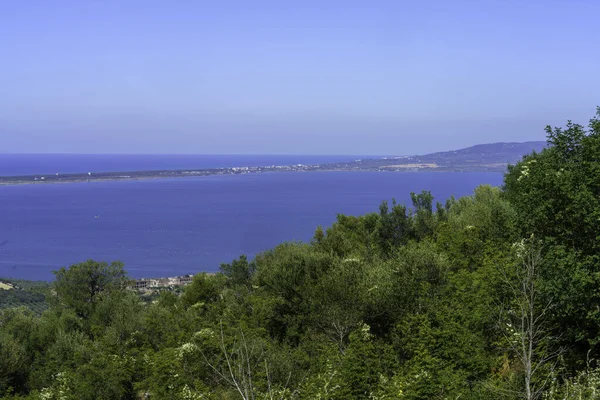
x,y
166,227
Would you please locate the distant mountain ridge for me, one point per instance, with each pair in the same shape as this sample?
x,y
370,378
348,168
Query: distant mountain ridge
x,y
506,148
504,152
489,157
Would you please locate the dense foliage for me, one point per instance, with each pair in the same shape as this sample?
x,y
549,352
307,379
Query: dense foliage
x,y
30,294
495,295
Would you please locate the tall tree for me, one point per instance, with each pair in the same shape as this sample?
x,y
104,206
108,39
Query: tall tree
x,y
556,194
524,319
82,285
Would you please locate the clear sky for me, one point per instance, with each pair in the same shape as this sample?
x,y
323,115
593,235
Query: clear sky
x,y
292,76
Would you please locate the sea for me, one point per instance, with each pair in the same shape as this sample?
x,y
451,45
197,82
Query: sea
x,y
169,227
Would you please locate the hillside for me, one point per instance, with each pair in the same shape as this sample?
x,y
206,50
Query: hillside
x,y
506,153
482,157
17,293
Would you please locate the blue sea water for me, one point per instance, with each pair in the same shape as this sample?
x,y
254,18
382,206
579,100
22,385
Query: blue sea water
x,y
165,227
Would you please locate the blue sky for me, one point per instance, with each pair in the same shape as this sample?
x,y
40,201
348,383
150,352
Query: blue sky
x,y
292,76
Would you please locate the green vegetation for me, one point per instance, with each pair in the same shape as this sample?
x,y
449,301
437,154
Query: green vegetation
x,y
491,296
30,294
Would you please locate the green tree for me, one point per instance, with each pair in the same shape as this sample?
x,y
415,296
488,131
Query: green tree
x,y
284,277
557,192
556,195
395,227
349,236
424,220
239,272
338,302
203,289
364,363
81,286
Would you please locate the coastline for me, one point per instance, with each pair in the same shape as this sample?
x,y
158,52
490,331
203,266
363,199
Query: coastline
x,y
169,174
492,157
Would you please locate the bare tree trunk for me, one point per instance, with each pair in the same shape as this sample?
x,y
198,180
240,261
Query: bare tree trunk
x,y
238,365
524,320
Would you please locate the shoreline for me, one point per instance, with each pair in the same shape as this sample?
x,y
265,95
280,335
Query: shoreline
x,y
170,174
492,157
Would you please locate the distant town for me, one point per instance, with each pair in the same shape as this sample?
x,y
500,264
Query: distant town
x,y
151,284
481,158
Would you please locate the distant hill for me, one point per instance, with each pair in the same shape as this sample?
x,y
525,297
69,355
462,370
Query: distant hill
x,y
503,152
493,157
